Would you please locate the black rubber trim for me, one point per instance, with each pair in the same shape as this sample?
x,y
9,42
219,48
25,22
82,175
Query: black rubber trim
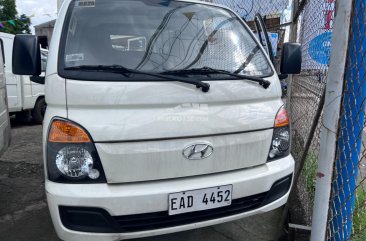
x,y
144,222
97,220
278,190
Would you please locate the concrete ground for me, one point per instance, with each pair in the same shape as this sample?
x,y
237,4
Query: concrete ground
x,y
23,209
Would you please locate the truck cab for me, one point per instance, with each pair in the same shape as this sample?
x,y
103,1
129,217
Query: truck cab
x,y
25,98
162,116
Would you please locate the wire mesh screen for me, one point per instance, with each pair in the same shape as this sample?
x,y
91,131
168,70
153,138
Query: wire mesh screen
x,y
314,32
347,218
274,12
247,9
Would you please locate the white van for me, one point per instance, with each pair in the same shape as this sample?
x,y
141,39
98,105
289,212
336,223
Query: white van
x,y
5,134
162,116
25,98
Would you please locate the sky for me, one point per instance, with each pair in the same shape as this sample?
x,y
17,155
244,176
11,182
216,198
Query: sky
x,y
43,10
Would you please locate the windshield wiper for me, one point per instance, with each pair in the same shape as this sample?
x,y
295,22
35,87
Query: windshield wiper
x,y
119,69
208,71
102,68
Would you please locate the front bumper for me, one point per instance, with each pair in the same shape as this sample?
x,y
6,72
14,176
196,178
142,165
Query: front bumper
x,y
137,199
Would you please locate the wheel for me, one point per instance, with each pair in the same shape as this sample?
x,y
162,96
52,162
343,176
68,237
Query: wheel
x,y
39,111
24,116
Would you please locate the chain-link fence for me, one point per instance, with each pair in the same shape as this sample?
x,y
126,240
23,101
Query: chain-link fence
x,y
312,27
347,218
247,9
347,212
314,31
311,103
275,13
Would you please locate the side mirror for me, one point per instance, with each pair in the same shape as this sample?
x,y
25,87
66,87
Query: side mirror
x,y
291,58
283,76
26,55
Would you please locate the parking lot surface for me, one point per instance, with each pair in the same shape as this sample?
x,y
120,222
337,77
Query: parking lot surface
x,y
24,214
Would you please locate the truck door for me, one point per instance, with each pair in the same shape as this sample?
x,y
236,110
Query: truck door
x,y
4,115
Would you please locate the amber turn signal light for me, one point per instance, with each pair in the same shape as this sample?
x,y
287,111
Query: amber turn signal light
x,y
282,118
66,132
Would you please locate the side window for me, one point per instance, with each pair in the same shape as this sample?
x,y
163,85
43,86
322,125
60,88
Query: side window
x,y
2,50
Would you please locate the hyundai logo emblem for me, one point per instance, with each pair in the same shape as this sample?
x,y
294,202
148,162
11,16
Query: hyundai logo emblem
x,y
197,151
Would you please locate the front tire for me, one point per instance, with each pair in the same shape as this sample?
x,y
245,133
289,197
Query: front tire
x,y
39,111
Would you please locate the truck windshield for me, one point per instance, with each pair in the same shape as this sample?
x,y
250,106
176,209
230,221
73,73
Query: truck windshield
x,y
157,36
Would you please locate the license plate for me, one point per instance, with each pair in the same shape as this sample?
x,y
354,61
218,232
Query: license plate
x,y
198,200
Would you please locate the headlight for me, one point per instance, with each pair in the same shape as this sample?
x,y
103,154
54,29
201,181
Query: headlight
x,y
71,155
75,163
281,140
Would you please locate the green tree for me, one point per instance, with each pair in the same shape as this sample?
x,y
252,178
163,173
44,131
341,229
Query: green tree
x,y
11,21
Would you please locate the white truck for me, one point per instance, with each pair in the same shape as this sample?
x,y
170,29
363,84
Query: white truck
x,y
25,98
162,116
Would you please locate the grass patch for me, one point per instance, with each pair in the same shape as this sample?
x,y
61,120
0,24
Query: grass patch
x,y
309,173
359,217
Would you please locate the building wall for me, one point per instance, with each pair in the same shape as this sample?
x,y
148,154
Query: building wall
x,y
45,29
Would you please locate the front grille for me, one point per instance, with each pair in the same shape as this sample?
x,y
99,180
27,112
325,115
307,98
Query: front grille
x,y
150,221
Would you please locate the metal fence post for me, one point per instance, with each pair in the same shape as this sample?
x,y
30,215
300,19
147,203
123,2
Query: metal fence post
x,y
331,114
352,123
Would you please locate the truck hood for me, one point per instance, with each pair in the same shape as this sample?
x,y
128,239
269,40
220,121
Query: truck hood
x,y
141,130
133,111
